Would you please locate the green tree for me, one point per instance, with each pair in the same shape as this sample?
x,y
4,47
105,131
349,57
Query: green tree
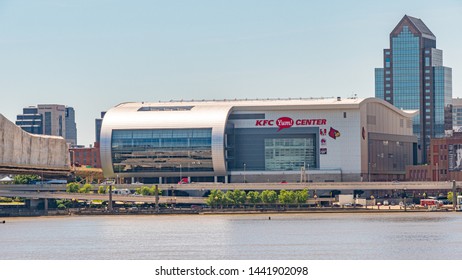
x,y
357,193
65,202
101,190
253,197
269,197
286,197
228,198
301,196
144,190
25,179
61,206
72,187
152,190
236,197
450,196
215,198
109,187
85,189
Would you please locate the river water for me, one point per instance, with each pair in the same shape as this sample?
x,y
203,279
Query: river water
x,y
311,236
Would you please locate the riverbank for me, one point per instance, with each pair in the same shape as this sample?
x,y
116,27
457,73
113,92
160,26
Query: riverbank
x,y
209,211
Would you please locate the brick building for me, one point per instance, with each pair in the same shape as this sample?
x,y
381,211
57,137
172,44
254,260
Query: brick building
x,y
86,156
444,161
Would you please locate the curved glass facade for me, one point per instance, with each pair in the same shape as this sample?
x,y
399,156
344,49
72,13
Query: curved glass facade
x,y
162,150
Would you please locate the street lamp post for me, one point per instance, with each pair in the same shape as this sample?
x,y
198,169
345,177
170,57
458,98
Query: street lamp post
x,y
307,175
437,173
368,171
404,199
73,160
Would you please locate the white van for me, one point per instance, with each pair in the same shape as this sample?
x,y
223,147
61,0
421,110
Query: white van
x,y
121,191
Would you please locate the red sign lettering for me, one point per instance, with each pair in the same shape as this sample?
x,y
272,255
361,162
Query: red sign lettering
x,y
286,122
264,122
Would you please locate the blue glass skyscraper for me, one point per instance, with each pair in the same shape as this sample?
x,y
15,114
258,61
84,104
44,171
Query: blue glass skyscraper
x,y
413,78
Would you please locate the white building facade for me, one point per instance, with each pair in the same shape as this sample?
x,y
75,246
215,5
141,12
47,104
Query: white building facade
x,y
235,141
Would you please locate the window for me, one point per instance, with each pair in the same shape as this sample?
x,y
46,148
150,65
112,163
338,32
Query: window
x,y
289,153
160,150
344,115
246,116
165,108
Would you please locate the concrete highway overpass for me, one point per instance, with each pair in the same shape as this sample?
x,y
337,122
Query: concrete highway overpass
x,y
103,197
25,153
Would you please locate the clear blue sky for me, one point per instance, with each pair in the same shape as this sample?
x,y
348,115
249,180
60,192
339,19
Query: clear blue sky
x,y
94,54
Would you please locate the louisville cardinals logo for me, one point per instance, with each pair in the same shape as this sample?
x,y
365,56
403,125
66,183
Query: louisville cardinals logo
x,y
334,133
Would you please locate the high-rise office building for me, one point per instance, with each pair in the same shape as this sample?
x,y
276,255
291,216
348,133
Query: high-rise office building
x,y
413,78
98,124
30,120
71,126
49,119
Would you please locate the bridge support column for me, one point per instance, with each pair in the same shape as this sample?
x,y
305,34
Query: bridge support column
x,y
32,203
157,198
109,203
454,194
45,204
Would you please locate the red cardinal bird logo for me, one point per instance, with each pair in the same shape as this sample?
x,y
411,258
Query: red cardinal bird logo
x,y
334,133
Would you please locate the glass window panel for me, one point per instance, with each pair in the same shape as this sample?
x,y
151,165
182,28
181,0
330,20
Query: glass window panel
x,y
162,150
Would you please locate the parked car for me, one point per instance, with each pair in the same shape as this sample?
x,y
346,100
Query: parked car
x,y
183,181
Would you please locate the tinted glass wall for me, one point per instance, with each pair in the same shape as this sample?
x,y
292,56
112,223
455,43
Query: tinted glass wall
x,y
162,150
267,150
406,73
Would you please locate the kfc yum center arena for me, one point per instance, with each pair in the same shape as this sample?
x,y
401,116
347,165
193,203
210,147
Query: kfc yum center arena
x,y
235,141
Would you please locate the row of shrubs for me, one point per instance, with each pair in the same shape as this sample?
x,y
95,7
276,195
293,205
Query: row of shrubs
x,y
217,198
88,188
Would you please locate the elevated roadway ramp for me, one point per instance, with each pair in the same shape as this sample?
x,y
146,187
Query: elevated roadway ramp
x,y
25,153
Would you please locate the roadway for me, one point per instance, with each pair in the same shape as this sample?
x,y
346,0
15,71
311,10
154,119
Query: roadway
x,y
261,186
104,197
57,191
